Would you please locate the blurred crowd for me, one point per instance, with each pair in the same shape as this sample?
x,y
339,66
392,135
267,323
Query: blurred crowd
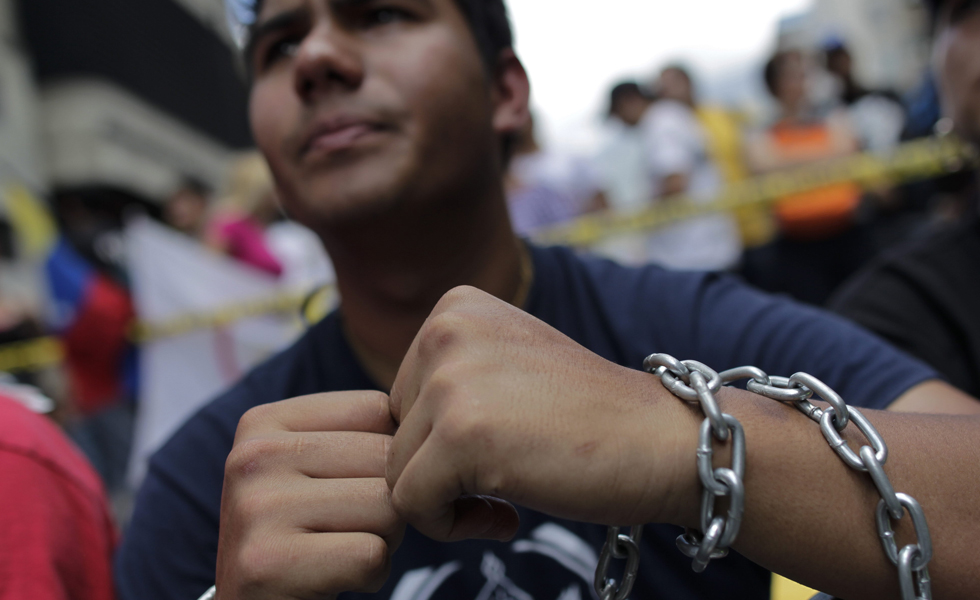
x,y
661,144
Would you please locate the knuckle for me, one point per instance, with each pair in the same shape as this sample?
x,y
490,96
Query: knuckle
x,y
458,296
441,332
253,418
490,479
375,402
248,457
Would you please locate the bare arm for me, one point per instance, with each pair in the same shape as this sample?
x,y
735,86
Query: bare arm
x,y
938,398
493,402
811,518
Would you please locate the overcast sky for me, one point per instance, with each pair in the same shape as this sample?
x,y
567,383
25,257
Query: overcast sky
x,y
575,50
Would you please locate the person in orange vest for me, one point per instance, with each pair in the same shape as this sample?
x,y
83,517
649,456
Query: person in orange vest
x,y
819,244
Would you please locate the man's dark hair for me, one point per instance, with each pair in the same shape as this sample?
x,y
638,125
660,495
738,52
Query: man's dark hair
x,y
488,21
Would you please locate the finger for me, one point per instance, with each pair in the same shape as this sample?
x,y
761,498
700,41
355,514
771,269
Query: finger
x,y
449,321
364,411
411,435
332,563
429,496
343,505
320,455
407,383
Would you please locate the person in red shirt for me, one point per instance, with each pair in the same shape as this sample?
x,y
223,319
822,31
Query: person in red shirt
x,y
56,533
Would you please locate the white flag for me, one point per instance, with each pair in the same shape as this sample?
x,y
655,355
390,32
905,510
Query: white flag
x,y
173,276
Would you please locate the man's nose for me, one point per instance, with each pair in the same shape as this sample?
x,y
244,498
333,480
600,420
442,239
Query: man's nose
x,y
328,59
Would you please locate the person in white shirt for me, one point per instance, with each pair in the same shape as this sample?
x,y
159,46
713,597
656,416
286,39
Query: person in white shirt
x,y
621,167
677,163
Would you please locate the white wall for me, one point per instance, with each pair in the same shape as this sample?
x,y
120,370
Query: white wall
x,y
97,133
20,153
888,38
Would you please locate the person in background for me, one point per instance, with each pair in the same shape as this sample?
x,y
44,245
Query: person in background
x,y
819,243
678,163
305,264
620,162
186,210
725,141
546,187
877,115
56,532
246,209
621,165
923,297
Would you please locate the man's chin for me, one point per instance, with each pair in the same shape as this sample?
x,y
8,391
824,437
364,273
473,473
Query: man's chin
x,y
328,207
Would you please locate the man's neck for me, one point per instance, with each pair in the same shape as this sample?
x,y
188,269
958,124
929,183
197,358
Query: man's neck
x,y
391,274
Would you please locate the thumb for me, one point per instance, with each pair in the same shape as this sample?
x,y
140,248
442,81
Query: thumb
x,y
483,518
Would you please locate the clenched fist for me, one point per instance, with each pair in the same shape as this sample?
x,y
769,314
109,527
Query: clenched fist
x,y
305,510
495,407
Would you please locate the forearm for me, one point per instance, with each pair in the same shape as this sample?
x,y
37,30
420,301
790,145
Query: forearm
x,y
810,517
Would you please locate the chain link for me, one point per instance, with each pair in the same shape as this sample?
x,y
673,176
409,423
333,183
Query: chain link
x,y
622,547
694,382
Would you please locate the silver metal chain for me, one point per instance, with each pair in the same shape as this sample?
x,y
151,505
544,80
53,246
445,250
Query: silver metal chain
x,y
695,382
692,381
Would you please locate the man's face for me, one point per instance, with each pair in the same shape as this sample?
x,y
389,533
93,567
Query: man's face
x,y
366,106
957,58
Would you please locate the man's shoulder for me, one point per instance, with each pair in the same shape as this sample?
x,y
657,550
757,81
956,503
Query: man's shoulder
x,y
564,267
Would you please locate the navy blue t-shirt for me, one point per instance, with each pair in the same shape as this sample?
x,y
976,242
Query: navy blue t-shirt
x,y
622,314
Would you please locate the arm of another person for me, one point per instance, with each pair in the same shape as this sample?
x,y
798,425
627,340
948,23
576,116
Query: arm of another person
x,y
937,398
42,519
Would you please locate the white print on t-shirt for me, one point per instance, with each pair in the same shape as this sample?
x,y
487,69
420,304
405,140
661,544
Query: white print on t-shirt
x,y
551,540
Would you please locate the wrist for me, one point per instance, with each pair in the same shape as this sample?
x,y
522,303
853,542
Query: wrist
x,y
665,433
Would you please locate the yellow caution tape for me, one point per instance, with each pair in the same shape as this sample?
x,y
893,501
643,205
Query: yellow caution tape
x,y
31,355
912,161
306,306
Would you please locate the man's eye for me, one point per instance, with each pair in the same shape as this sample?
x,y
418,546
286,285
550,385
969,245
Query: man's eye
x,y
280,49
385,16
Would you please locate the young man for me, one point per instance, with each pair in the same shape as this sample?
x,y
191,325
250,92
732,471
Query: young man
x,y
386,123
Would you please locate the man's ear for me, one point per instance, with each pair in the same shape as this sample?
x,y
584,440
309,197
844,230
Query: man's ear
x,y
511,94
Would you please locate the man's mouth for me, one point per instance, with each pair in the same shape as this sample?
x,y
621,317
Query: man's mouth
x,y
337,134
